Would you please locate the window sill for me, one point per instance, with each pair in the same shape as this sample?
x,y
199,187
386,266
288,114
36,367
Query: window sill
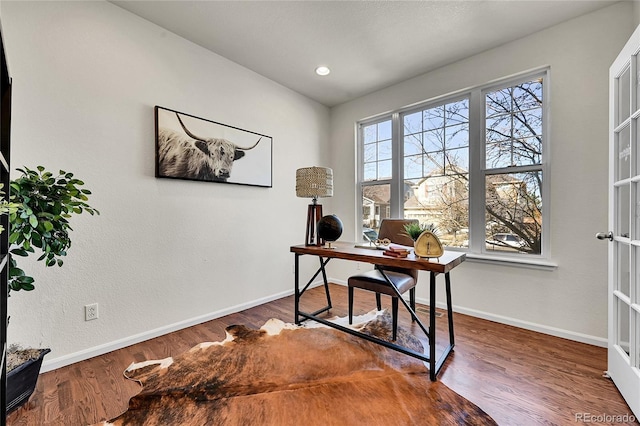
x,y
540,264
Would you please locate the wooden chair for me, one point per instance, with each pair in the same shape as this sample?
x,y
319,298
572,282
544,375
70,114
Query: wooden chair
x,y
403,279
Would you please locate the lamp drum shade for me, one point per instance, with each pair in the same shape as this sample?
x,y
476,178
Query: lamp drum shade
x,y
314,182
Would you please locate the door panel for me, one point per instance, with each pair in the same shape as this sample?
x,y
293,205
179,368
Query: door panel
x,y
624,220
623,195
624,95
623,151
623,284
623,326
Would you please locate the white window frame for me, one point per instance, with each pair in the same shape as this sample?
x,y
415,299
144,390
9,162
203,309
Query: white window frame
x,y
477,170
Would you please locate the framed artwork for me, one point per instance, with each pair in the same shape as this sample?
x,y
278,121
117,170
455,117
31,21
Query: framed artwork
x,y
193,148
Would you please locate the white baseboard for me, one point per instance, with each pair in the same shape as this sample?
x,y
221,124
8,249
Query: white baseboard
x,y
85,354
545,329
52,364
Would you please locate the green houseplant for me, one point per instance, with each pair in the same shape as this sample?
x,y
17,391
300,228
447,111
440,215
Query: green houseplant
x,y
43,204
40,206
413,230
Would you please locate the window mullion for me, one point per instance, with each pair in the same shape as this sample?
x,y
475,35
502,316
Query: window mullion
x,y
397,172
476,172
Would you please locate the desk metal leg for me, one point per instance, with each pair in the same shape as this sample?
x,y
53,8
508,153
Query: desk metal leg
x,y
432,338
297,289
326,283
299,292
435,364
449,309
432,327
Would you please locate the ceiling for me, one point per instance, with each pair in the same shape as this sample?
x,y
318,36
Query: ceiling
x,y
368,45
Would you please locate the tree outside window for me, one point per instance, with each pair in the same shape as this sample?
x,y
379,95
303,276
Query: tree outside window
x,y
514,141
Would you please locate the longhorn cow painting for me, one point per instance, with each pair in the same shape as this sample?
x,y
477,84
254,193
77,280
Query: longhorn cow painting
x,y
192,148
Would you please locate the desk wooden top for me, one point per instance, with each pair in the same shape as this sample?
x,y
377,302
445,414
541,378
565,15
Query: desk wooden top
x,y
349,251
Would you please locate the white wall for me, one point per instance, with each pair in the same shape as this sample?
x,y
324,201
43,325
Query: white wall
x,y
571,300
163,253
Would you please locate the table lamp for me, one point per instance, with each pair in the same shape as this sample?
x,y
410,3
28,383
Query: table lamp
x,y
314,182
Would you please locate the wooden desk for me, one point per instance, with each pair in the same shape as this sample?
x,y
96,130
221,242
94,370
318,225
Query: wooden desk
x,y
348,251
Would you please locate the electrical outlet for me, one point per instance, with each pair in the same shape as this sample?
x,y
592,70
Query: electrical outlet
x,y
91,312
358,266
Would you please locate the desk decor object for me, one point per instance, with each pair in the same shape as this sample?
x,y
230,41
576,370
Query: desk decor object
x,y
329,229
264,376
314,183
396,252
414,229
193,148
378,244
384,242
428,245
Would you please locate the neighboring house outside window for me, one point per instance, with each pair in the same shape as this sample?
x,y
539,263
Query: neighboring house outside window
x,y
473,164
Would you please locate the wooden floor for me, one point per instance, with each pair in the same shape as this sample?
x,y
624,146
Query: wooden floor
x,y
518,377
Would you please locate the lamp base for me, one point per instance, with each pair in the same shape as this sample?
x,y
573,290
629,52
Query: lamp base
x,y
314,214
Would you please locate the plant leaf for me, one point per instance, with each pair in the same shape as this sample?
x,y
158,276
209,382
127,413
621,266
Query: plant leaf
x,y
19,252
27,287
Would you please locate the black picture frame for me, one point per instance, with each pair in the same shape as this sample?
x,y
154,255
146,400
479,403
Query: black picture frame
x,y
194,148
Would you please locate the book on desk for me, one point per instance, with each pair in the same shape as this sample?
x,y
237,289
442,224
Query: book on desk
x,y
393,250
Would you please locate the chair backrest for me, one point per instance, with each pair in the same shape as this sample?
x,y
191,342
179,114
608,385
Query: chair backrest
x,y
393,229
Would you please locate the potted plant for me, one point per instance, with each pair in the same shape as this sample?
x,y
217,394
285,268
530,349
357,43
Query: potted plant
x,y
414,230
40,206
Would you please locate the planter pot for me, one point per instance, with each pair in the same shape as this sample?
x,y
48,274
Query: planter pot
x,y
21,382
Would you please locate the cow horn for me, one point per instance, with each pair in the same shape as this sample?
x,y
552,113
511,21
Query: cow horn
x,y
247,149
191,135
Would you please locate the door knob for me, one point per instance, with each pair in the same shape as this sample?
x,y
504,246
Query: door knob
x,y
605,236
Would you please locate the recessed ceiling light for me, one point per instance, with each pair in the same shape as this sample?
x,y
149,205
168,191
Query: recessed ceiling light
x,y
322,70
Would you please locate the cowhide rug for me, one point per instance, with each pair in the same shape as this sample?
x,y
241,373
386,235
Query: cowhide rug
x,y
283,374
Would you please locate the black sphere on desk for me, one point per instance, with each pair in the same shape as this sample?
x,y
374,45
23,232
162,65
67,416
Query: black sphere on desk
x,y
329,228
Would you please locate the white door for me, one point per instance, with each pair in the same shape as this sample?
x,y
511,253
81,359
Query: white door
x,y
624,223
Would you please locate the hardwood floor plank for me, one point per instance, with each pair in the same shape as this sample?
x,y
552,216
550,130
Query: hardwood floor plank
x,y
517,376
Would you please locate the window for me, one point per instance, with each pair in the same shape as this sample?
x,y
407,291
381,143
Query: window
x,y
377,169
436,168
513,165
472,164
377,151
